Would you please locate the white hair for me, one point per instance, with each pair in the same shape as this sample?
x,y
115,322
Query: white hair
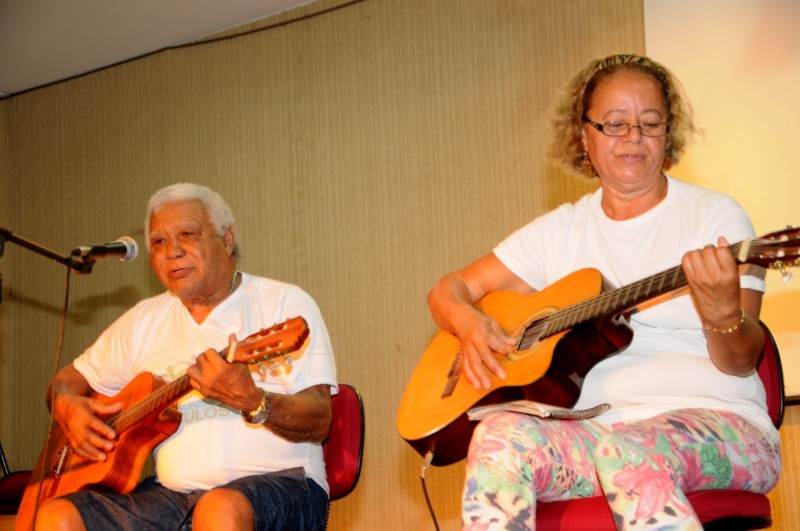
x,y
219,213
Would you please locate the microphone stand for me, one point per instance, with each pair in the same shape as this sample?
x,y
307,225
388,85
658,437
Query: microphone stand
x,y
77,265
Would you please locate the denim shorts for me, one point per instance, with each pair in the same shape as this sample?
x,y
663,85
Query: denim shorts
x,y
280,500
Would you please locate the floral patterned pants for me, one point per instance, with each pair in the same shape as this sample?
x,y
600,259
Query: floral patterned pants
x,y
642,468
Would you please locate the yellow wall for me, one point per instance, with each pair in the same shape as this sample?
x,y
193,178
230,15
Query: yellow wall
x,y
365,151
740,63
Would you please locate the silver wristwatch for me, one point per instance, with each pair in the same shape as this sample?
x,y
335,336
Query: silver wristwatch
x,y
261,413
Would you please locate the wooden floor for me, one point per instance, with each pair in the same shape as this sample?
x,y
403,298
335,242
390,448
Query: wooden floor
x,y
785,509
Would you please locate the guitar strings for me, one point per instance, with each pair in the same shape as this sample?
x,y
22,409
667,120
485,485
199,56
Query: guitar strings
x,y
124,419
605,303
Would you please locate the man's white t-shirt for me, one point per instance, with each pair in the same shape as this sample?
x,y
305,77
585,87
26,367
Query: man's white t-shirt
x,y
667,364
213,444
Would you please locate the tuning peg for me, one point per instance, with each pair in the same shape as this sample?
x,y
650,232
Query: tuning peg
x,y
274,369
786,275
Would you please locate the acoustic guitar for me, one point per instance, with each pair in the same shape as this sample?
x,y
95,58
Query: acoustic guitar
x,y
145,421
561,332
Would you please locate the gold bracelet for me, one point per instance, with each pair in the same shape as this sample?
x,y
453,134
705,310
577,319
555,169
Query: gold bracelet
x,y
728,330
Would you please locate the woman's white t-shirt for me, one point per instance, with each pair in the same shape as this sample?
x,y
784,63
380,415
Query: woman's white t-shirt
x,y
667,365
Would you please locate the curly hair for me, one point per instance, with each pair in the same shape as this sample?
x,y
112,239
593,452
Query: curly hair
x,y
567,147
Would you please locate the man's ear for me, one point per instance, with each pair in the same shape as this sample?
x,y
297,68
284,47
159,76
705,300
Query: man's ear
x,y
229,237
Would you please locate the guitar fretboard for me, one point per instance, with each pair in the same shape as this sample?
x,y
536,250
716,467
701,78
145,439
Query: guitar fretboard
x,y
611,302
153,402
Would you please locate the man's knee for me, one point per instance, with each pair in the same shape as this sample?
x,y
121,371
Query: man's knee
x,y
59,515
222,508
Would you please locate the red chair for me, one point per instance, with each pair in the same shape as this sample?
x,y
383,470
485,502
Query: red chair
x,y
12,485
727,510
344,446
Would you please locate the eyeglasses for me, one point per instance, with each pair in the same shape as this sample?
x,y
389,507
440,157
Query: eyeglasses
x,y
623,128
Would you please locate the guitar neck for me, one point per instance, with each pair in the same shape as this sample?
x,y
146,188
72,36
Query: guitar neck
x,y
615,301
620,300
166,394
155,401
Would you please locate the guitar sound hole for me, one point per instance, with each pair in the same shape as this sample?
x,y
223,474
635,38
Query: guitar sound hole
x,y
529,339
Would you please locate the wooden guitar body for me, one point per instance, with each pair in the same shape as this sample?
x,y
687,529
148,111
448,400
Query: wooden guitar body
x,y
147,419
64,472
549,371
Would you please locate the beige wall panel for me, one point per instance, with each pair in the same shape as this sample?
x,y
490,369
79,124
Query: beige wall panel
x,y
366,152
5,177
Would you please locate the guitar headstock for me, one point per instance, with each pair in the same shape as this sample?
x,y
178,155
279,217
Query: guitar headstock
x,y
776,250
280,341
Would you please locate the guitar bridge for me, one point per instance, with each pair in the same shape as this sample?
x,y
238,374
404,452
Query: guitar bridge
x,y
452,375
58,467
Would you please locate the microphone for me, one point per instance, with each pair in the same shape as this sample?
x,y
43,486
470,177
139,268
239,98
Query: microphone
x,y
125,248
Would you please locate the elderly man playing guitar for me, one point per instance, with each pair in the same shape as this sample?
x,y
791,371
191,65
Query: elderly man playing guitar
x,y
236,445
